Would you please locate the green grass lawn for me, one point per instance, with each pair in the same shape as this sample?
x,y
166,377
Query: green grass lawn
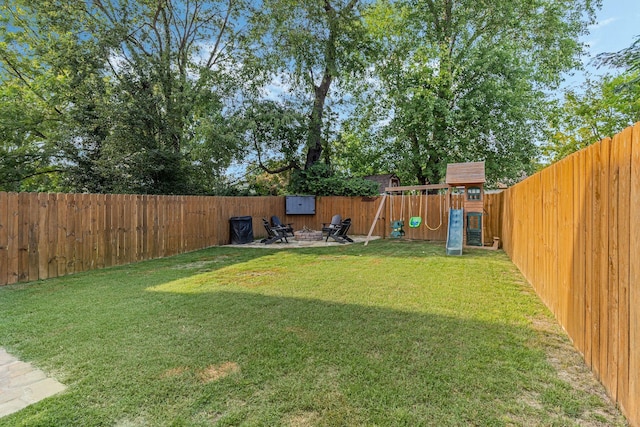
x,y
394,333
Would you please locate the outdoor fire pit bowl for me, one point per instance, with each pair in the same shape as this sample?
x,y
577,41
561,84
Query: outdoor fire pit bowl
x,y
306,234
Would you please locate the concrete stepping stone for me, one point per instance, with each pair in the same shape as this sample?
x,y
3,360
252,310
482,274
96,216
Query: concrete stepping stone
x,y
21,384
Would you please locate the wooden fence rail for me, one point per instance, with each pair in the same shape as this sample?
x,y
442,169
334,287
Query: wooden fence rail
x,y
573,230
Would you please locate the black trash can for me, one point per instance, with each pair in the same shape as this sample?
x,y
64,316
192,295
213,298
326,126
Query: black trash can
x,y
241,229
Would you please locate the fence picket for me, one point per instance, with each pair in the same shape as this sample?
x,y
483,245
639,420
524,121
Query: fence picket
x,y
4,237
588,273
32,243
624,156
613,272
23,237
12,238
632,405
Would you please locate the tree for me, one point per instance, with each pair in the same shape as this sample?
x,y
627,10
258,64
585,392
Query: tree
x,y
464,80
627,59
602,108
273,131
139,87
25,163
311,45
599,110
31,109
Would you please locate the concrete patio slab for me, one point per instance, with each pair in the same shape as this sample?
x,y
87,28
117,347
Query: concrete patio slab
x,y
21,384
296,244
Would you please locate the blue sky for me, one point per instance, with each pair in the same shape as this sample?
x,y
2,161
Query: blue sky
x,y
618,23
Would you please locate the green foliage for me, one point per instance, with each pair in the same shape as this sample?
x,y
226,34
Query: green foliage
x,y
311,46
357,152
31,105
161,97
25,161
461,80
627,59
320,180
130,96
258,182
598,111
275,132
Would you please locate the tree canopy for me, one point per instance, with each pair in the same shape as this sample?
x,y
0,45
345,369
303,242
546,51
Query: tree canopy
x,y
599,110
602,107
154,96
132,92
464,80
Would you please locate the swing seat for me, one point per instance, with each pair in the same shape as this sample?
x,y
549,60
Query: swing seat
x,y
396,228
415,221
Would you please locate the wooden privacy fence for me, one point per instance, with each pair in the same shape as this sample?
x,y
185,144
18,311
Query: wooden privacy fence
x,y
574,231
45,235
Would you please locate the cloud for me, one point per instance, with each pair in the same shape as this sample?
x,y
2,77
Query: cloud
x,y
603,23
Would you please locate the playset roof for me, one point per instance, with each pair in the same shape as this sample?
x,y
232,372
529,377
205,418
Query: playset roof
x,y
465,173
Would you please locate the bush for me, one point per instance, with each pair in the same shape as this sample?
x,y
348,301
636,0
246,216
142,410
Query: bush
x,y
320,180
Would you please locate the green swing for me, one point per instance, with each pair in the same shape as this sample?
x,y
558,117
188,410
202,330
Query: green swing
x,y
398,224
415,221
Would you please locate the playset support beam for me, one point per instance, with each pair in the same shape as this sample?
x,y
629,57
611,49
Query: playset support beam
x,y
416,188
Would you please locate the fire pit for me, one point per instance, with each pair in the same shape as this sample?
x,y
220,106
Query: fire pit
x,y
306,234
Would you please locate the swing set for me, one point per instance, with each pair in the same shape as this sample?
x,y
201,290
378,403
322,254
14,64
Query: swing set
x,y
397,225
464,201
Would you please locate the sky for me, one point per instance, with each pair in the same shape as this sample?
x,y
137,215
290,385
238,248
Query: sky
x,y
617,25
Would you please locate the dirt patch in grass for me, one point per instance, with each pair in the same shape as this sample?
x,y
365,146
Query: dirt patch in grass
x,y
136,422
532,400
174,372
202,263
198,265
207,375
255,278
217,372
303,419
330,257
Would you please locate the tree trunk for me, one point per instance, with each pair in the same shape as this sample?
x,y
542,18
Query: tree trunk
x,y
315,146
315,141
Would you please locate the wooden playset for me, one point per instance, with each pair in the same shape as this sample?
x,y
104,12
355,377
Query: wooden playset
x,y
465,213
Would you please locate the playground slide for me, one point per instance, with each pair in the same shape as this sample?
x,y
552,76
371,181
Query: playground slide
x,y
454,232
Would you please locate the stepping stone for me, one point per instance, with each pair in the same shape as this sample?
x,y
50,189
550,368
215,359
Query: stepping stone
x,y
21,384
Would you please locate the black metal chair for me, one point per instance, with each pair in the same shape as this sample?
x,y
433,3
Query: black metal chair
x,y
274,234
288,229
340,235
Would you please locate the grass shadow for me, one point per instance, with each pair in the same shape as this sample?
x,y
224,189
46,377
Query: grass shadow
x,y
143,346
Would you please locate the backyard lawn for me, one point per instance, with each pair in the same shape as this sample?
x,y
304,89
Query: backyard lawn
x,y
393,333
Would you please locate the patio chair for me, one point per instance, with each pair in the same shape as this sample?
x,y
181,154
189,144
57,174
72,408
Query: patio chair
x,y
330,228
288,229
340,235
274,234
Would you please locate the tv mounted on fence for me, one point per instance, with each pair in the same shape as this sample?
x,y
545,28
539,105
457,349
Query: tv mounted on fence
x,y
300,205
